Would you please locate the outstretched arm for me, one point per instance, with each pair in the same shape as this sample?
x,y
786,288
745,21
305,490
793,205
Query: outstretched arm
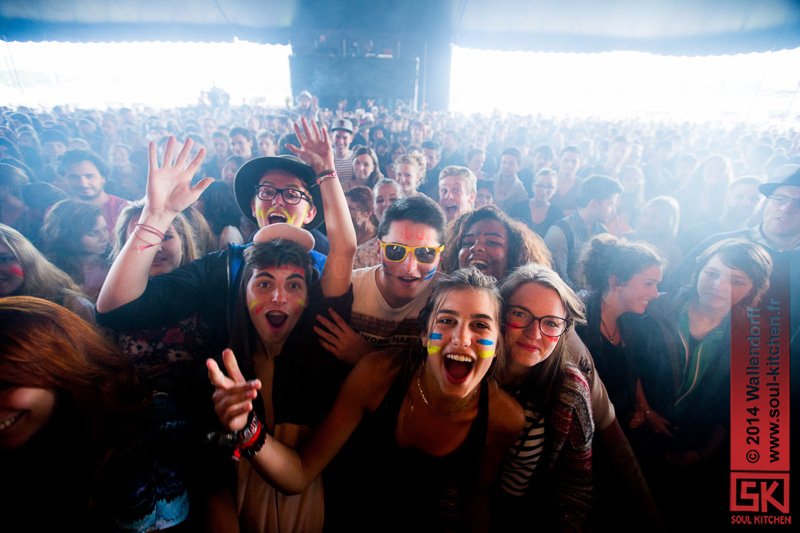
x,y
283,467
316,150
169,192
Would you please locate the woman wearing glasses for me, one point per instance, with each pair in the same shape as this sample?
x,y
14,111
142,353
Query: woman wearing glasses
x,y
427,426
538,213
547,474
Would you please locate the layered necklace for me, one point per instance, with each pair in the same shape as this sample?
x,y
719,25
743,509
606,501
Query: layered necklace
x,y
432,408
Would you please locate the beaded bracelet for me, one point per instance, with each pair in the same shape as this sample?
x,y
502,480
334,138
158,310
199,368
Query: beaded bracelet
x,y
251,439
326,174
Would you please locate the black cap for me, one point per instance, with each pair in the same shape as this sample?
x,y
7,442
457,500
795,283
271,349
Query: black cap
x,y
793,180
249,174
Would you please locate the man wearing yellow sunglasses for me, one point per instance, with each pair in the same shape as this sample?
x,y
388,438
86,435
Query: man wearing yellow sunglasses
x,y
389,296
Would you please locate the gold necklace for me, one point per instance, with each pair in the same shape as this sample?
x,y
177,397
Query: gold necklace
x,y
432,408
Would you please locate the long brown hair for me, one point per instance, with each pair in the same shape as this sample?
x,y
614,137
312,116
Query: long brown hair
x,y
543,382
43,345
64,226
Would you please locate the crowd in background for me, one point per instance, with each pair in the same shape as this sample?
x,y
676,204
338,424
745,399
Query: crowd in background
x,y
658,235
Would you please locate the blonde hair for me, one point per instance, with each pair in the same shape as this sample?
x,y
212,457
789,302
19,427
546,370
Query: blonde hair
x,y
464,173
415,159
189,248
42,278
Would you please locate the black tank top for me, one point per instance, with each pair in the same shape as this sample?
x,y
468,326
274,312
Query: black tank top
x,y
392,488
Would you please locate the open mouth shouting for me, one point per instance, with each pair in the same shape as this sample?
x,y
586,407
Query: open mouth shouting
x,y
458,367
276,319
277,215
451,211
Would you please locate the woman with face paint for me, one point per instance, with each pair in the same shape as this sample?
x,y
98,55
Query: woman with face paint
x,y
548,472
488,239
416,428
24,271
681,349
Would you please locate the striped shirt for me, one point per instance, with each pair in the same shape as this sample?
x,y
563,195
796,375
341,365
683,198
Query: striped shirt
x,y
344,167
522,458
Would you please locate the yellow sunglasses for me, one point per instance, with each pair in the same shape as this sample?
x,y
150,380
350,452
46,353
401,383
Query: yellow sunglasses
x,y
397,252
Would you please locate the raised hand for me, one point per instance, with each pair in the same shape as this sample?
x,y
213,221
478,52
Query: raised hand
x,y
315,147
169,189
233,396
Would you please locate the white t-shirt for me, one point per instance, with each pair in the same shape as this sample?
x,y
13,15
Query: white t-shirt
x,y
382,325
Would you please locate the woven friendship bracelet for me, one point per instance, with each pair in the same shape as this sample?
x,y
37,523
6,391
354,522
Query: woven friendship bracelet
x,y
327,174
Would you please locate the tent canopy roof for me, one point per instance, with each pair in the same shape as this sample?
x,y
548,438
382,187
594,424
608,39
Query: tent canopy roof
x,y
670,27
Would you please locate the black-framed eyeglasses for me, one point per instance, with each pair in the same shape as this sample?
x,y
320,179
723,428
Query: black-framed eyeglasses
x,y
782,200
397,252
546,187
521,318
290,196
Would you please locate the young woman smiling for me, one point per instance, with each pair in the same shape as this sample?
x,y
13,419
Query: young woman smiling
x,y
547,475
622,277
425,421
24,271
681,348
492,242
72,413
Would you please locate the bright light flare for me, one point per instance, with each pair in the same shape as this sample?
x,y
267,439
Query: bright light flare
x,y
157,74
748,87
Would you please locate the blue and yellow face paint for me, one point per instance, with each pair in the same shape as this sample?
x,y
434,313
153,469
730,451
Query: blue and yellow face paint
x,y
432,348
485,348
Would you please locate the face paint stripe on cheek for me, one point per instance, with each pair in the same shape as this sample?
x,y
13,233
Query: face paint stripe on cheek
x,y
301,302
432,349
17,271
256,303
488,352
430,274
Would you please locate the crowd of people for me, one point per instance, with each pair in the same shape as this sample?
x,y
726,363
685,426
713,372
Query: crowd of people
x,y
302,320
